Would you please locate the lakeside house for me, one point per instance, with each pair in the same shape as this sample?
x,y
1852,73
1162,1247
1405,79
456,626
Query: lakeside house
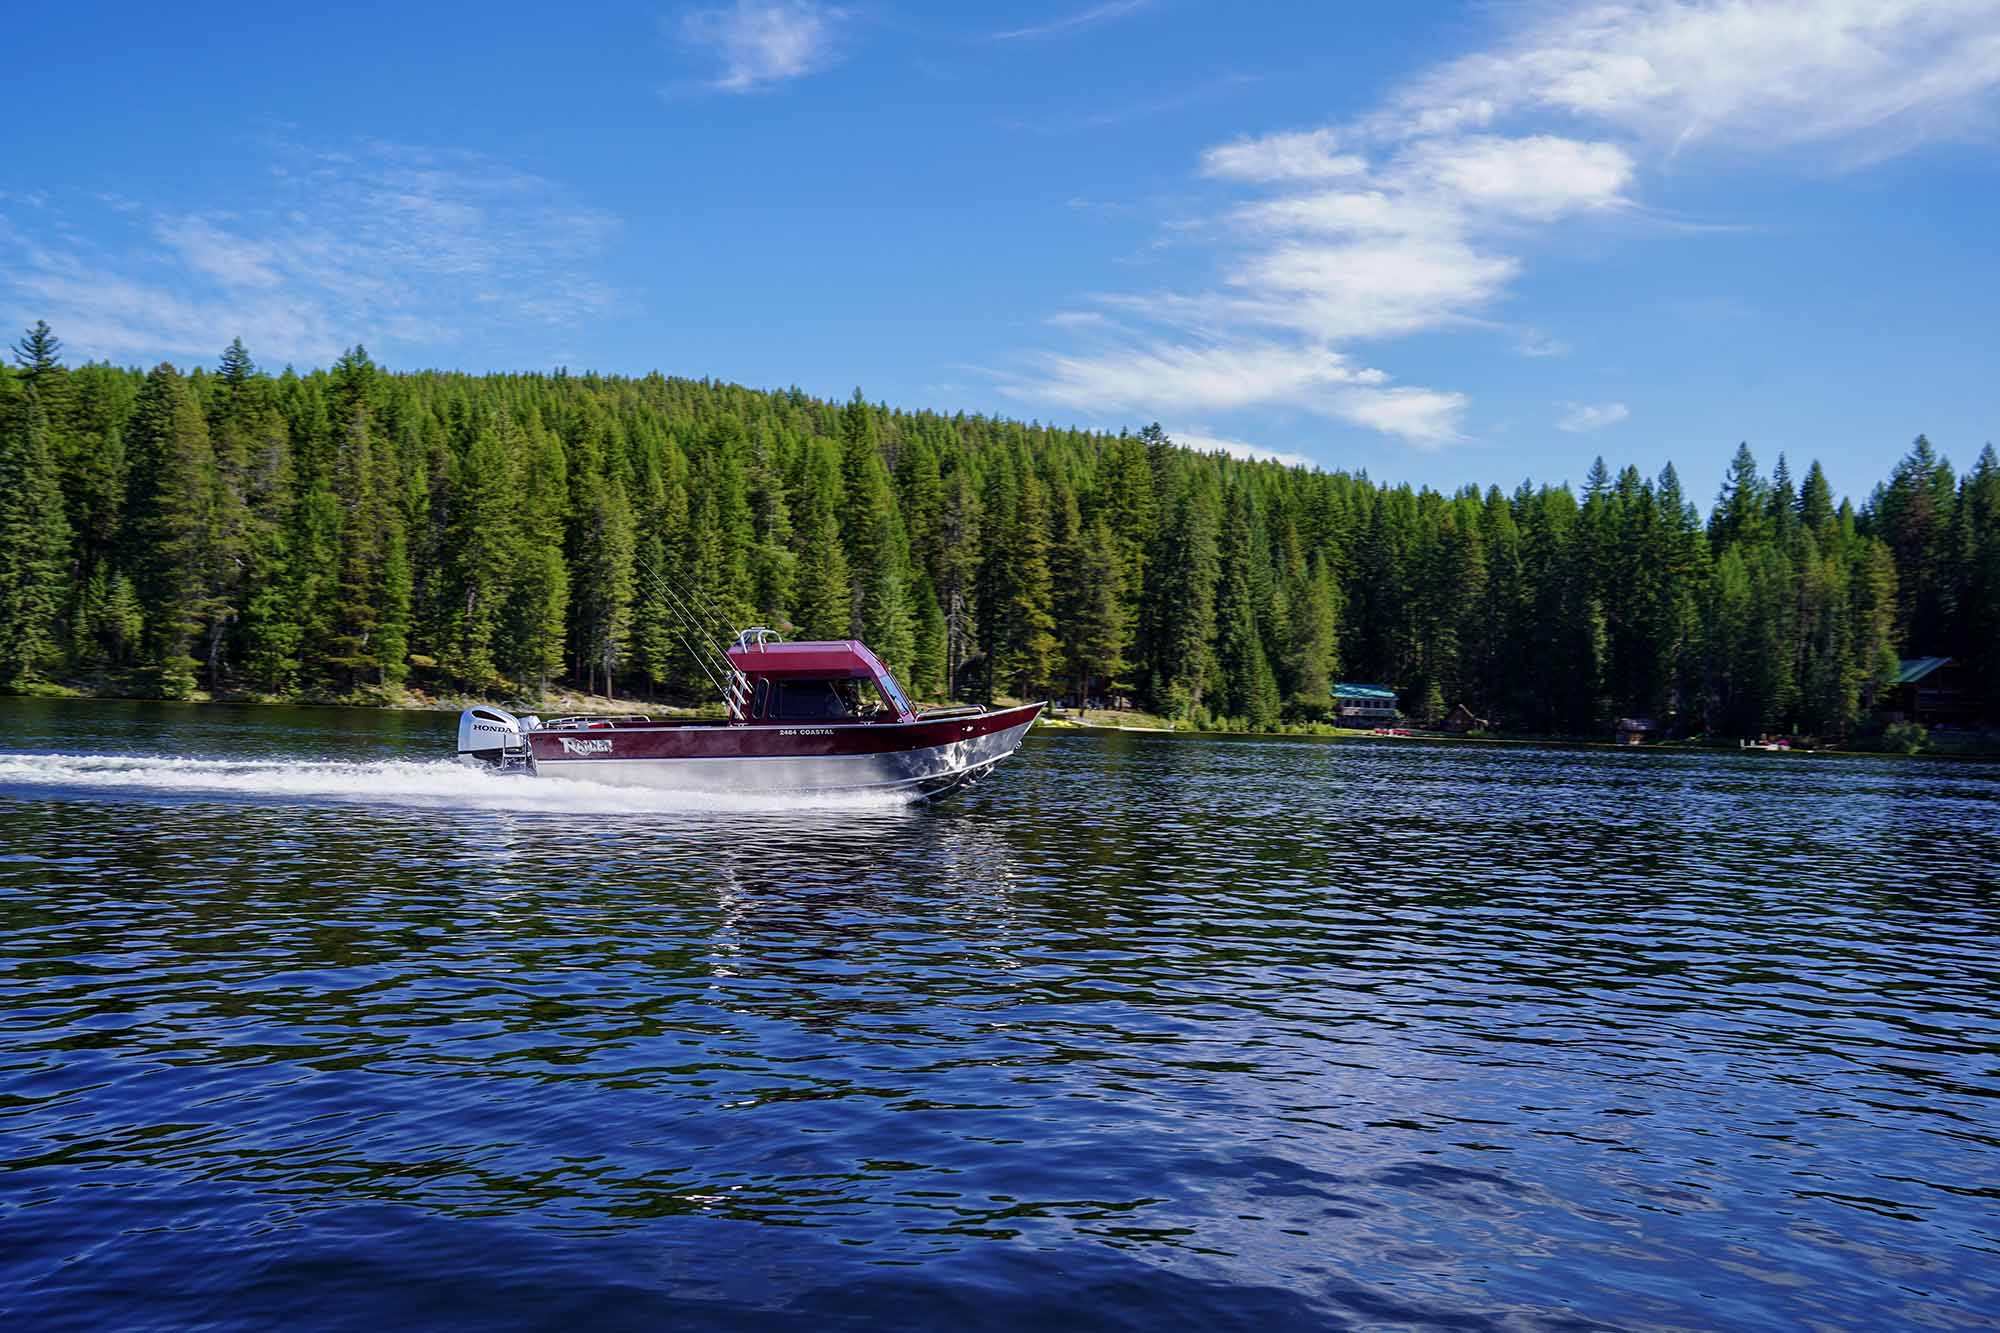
x,y
1930,691
1461,720
1365,705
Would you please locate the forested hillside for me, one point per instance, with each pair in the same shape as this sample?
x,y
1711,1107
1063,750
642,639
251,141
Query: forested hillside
x,y
351,531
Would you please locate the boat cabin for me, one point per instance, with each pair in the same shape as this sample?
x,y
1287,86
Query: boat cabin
x,y
819,682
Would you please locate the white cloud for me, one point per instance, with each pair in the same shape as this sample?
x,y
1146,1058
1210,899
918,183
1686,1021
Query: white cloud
x,y
1378,287
1414,218
1082,18
1203,442
1580,417
1754,73
762,42
385,244
1540,177
1423,417
1166,379
1160,379
1305,156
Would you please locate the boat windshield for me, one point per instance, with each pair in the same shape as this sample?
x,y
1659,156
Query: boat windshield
x,y
897,698
821,700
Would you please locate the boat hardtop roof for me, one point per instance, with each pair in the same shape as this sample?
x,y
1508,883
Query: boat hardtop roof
x,y
811,659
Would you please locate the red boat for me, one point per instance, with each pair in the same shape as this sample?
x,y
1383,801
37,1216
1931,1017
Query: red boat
x,y
814,717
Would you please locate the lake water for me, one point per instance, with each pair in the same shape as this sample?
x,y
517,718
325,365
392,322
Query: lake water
x,y
300,1027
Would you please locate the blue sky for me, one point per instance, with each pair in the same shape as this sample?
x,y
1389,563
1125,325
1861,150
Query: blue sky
x,y
1445,244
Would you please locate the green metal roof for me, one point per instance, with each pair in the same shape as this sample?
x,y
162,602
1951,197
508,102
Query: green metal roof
x,y
1346,691
1910,670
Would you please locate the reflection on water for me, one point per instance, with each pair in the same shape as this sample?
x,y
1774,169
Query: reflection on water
x,y
299,1026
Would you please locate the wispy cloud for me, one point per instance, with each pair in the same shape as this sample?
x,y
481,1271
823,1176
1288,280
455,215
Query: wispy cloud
x,y
1073,122
1535,344
1753,74
1577,418
1309,155
1201,440
1082,18
1164,379
762,42
383,243
1416,216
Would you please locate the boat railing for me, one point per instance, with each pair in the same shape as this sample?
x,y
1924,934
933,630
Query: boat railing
x,y
584,720
958,710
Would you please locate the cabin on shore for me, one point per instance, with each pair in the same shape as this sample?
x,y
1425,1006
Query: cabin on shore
x,y
1461,720
1930,691
1635,730
1365,705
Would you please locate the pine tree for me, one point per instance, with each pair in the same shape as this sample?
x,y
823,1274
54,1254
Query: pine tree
x,y
920,497
1314,658
1816,509
661,533
606,546
822,589
537,605
1977,596
38,354
356,612
1246,688
235,369
485,536
1094,628
34,542
888,625
927,659
170,502
957,573
271,636
1741,513
1026,643
1184,628
226,558
1913,513
864,495
773,565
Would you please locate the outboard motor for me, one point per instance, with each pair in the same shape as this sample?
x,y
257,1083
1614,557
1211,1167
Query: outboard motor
x,y
490,737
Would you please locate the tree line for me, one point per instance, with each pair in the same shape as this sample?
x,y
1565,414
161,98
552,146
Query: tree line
x,y
351,532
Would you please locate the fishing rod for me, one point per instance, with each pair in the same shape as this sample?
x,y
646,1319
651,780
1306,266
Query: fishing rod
x,y
708,659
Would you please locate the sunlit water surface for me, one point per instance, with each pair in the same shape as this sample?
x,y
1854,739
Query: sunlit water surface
x,y
302,1028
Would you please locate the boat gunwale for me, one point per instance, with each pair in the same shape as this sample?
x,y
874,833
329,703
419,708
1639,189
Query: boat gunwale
x,y
628,728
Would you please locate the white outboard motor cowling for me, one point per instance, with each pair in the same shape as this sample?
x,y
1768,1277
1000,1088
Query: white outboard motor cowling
x,y
490,737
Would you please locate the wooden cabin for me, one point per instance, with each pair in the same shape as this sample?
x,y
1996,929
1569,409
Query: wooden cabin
x,y
1462,719
1930,691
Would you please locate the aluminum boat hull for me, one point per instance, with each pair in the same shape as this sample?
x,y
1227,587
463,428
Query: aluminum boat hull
x,y
922,758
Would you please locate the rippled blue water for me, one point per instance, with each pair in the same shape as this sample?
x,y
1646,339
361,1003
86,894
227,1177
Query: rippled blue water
x,y
299,1028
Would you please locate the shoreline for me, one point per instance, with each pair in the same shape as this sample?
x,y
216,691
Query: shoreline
x,y
568,701
1569,742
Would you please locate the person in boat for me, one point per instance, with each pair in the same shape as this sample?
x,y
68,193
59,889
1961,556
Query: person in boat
x,y
824,701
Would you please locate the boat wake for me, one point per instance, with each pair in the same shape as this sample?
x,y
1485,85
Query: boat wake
x,y
430,784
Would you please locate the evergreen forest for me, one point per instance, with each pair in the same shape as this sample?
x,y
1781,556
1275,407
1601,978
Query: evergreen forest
x,y
357,534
